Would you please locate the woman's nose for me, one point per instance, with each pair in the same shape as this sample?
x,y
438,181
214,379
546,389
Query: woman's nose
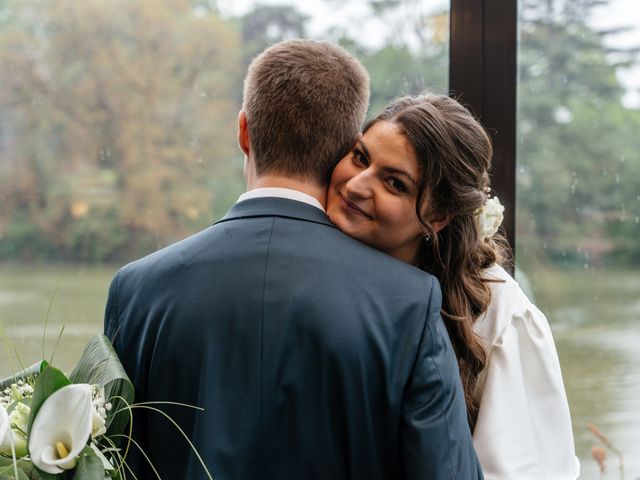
x,y
359,186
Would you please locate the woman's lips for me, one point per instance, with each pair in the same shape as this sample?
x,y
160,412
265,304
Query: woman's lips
x,y
352,207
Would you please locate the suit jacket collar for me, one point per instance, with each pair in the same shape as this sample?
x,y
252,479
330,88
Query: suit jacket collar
x,y
276,207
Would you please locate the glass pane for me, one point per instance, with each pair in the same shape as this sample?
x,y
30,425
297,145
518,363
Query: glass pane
x,y
118,133
578,228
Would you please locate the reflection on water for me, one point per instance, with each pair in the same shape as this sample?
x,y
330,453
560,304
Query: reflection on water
x,y
594,316
603,386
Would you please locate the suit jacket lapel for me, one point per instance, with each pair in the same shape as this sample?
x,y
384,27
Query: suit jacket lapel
x,y
276,207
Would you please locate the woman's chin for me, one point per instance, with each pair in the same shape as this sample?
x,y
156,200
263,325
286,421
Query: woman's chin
x,y
343,224
337,220
349,228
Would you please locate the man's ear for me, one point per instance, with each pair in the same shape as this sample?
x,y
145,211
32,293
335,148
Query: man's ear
x,y
243,133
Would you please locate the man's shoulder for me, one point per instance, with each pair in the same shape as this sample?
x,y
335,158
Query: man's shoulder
x,y
167,258
356,251
333,251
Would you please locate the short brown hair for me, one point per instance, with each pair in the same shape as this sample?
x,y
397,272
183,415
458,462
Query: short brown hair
x,y
305,102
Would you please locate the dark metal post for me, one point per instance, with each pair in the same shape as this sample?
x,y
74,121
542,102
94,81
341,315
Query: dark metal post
x,y
482,75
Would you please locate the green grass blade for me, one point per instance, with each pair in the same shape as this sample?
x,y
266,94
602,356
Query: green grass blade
x,y
57,343
144,454
46,317
184,435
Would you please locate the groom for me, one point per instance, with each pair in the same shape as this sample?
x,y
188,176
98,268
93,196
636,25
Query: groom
x,y
312,355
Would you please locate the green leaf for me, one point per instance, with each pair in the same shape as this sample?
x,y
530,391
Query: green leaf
x,y
113,475
50,380
89,466
100,365
106,465
6,467
21,476
38,474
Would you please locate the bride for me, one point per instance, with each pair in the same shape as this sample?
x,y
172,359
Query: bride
x,y
416,186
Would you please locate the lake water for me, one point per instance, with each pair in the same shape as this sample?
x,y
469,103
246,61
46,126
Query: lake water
x,y
594,315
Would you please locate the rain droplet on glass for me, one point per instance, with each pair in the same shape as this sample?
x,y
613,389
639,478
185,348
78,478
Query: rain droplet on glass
x,y
562,115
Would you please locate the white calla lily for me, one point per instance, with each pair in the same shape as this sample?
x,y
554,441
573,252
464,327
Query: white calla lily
x,y
62,428
5,431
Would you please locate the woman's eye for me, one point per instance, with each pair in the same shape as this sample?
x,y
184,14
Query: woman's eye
x,y
397,185
359,158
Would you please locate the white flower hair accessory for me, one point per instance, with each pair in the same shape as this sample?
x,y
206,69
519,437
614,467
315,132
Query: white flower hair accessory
x,y
489,217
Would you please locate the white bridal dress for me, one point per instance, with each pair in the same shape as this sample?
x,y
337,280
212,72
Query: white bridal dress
x,y
523,431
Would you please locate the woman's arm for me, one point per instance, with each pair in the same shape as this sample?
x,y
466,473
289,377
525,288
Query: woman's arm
x,y
524,425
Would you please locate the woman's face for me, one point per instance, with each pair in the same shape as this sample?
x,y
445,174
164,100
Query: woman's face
x,y
373,191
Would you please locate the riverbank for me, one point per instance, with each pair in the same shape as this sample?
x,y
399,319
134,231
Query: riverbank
x,y
594,316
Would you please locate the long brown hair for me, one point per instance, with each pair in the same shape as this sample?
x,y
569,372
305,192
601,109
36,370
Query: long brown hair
x,y
454,154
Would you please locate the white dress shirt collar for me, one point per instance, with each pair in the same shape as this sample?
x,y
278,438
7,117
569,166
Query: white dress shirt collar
x,y
281,193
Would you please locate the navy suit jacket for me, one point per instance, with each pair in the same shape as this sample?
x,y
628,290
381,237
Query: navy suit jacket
x,y
312,355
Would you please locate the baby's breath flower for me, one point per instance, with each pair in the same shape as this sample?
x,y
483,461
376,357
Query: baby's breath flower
x,y
16,392
100,411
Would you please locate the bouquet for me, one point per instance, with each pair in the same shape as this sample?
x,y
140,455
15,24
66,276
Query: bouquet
x,y
58,427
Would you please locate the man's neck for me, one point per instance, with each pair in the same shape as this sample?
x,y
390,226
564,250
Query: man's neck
x,y
280,181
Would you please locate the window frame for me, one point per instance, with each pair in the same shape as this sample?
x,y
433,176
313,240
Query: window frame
x,y
483,76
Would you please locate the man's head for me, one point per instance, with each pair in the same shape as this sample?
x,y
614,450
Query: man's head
x,y
304,103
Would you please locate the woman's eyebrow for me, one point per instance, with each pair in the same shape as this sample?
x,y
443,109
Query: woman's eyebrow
x,y
399,171
365,150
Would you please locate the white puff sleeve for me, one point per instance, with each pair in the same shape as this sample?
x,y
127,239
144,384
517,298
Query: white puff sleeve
x,y
523,429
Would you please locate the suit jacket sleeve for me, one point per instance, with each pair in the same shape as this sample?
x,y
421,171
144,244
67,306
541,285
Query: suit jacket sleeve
x,y
111,312
435,438
135,459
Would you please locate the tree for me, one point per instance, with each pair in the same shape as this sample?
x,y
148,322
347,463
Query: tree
x,y
267,24
121,115
576,146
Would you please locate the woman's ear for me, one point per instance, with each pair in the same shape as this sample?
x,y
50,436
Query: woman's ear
x,y
441,221
436,220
